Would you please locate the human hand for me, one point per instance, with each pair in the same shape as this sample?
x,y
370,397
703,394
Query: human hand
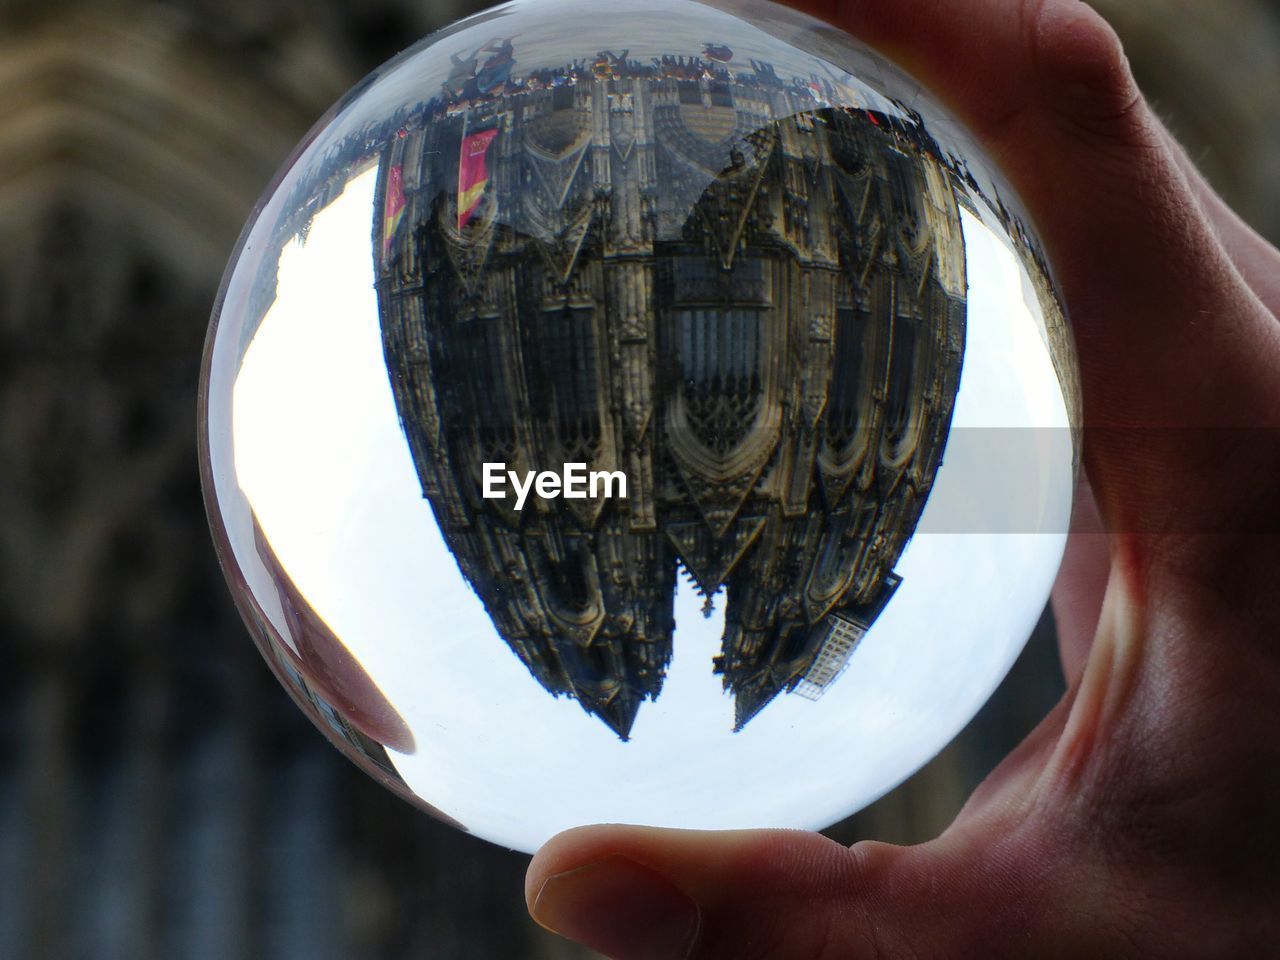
x,y
1140,818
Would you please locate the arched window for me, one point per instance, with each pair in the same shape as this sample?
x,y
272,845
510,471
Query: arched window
x,y
720,372
904,192
846,397
484,354
902,391
568,377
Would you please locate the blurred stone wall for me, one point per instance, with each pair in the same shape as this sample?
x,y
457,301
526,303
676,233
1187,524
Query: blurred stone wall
x,y
159,796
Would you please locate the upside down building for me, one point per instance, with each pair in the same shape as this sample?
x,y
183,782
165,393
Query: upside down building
x,y
750,304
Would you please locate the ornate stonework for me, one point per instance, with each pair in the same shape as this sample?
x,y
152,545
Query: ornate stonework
x,y
751,305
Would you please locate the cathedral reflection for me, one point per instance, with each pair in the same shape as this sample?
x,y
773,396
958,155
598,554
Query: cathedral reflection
x,y
748,300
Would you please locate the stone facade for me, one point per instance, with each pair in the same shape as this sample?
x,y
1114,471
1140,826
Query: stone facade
x,y
751,305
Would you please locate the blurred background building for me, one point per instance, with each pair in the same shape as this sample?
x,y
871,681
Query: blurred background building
x,y
160,797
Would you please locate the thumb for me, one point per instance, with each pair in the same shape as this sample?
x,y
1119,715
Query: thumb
x,y
642,893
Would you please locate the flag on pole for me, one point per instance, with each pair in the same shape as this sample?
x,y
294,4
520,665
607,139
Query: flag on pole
x,y
393,208
473,172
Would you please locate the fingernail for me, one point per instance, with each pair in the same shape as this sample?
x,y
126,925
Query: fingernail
x,y
619,908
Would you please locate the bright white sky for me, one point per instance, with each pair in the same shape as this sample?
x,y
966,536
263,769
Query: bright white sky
x,y
320,456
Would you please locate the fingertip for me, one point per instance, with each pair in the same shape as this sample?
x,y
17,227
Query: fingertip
x,y
1083,68
618,907
563,852
639,892
1074,43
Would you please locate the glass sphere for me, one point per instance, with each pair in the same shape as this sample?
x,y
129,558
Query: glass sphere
x,y
639,411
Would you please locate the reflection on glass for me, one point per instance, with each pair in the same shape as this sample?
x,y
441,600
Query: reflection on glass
x,y
574,361
771,362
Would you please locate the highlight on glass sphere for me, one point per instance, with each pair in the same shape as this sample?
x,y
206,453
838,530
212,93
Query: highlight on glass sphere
x,y
653,412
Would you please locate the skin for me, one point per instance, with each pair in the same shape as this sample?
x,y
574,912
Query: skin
x,y
1139,819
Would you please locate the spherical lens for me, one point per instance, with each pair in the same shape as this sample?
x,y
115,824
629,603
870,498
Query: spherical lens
x,y
653,412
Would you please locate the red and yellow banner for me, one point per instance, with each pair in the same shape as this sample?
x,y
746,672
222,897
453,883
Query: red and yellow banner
x,y
473,172
393,207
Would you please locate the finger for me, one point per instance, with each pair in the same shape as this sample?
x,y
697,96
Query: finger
x,y
1257,260
640,892
1081,583
633,892
1169,335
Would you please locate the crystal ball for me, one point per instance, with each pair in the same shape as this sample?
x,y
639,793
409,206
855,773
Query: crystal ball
x,y
644,411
